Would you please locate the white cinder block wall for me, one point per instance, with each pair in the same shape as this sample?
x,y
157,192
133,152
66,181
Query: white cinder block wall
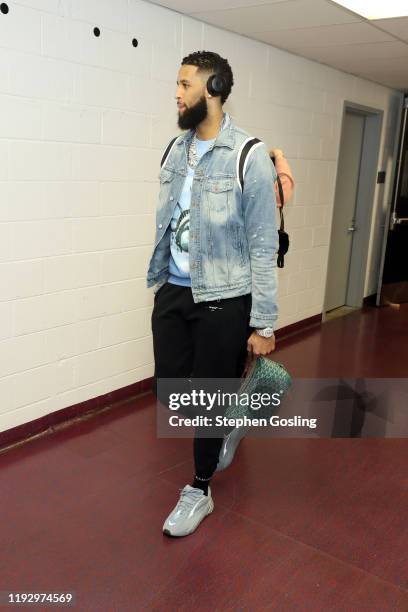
x,y
83,124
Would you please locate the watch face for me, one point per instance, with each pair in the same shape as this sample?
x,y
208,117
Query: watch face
x,y
267,332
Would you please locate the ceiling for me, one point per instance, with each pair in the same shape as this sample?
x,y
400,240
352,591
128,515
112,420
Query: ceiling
x,y
320,30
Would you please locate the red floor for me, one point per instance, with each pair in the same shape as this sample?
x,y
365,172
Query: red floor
x,y
298,524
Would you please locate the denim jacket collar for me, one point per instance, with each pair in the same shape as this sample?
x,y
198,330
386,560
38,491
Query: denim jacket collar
x,y
225,137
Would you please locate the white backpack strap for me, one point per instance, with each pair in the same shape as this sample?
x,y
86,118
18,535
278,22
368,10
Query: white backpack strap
x,y
245,151
167,152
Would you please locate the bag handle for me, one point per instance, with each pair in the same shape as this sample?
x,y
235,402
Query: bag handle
x,y
282,199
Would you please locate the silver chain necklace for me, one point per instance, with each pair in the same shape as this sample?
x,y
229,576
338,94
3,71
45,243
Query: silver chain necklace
x,y
192,150
192,153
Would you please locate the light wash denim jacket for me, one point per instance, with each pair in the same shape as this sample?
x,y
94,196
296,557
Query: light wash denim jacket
x,y
233,239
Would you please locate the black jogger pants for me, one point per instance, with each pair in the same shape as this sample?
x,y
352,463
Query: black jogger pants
x,y
204,340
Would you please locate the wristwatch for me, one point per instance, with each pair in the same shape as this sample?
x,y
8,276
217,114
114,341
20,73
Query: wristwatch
x,y
266,332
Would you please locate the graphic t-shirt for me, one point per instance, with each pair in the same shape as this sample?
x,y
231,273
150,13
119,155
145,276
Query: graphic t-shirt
x,y
179,265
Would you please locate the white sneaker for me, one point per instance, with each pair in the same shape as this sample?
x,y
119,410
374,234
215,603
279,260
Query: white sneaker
x,y
192,507
229,446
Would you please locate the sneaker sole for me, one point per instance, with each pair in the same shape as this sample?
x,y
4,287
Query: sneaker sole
x,y
172,535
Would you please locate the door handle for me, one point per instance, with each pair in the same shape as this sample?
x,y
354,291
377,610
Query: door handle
x,y
397,220
394,219
351,229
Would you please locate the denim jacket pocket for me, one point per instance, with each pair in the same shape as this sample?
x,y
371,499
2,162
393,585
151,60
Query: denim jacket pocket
x,y
166,175
166,178
217,192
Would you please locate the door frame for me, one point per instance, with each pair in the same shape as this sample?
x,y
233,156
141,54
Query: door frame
x,y
396,167
364,202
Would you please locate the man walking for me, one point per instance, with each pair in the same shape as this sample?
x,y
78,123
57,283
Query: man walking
x,y
214,257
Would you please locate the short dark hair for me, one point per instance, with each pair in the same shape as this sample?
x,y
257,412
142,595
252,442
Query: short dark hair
x,y
212,62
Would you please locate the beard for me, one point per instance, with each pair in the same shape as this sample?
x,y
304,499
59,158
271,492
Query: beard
x,y
193,116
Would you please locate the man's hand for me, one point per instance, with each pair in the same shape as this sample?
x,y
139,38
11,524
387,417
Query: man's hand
x,y
257,345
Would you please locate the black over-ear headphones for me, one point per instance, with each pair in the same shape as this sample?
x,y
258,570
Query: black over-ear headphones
x,y
216,85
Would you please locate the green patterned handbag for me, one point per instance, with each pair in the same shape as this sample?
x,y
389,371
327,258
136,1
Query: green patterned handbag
x,y
264,376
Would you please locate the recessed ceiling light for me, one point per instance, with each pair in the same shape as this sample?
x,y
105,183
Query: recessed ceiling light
x,y
376,9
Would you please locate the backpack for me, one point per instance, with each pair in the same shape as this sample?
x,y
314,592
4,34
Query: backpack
x,y
242,159
249,145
